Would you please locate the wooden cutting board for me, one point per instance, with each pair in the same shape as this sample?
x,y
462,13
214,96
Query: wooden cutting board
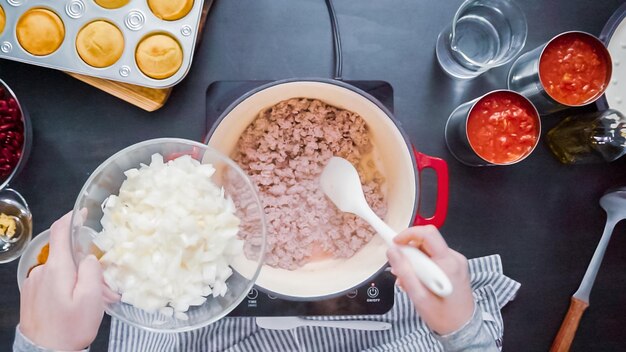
x,y
149,99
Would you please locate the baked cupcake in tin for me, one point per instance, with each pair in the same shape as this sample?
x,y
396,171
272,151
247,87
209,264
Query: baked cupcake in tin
x,y
170,10
159,56
40,31
111,4
100,44
3,19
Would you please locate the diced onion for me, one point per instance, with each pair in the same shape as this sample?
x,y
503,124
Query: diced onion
x,y
168,237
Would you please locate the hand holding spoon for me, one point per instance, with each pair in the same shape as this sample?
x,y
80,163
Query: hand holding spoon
x,y
341,183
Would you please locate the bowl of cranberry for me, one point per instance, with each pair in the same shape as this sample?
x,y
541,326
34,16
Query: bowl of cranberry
x,y
15,135
15,143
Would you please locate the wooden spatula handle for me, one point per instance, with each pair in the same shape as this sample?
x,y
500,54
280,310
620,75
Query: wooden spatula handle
x,y
565,336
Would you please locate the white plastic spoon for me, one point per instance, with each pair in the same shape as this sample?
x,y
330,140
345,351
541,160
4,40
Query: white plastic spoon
x,y
286,323
341,183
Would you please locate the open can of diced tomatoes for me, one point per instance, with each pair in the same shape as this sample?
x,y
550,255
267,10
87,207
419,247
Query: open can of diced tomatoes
x,y
500,128
570,70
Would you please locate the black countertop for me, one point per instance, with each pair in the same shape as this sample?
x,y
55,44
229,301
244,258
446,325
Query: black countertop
x,y
543,218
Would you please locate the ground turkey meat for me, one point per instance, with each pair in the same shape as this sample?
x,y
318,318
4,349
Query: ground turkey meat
x,y
284,151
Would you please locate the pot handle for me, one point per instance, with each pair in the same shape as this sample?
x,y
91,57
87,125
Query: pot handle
x,y
441,169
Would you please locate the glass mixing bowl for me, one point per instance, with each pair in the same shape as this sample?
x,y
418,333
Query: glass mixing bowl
x,y
108,178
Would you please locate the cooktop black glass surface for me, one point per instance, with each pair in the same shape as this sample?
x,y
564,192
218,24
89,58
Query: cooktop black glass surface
x,y
372,297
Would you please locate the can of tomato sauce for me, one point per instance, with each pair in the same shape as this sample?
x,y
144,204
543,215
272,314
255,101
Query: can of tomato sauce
x,y
500,128
570,70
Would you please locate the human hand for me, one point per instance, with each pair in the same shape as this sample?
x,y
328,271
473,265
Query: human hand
x,y
61,307
443,315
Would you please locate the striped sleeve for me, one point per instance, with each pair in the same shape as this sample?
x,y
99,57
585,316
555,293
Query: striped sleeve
x,y
491,289
472,337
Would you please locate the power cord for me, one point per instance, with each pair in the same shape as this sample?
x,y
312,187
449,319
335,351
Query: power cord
x,y
336,40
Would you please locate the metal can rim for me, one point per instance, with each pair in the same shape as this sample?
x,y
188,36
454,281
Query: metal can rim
x,y
536,116
607,56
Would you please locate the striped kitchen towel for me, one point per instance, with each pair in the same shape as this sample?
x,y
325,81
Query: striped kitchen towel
x,y
492,290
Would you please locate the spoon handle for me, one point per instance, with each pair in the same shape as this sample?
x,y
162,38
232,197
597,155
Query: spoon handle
x,y
426,270
368,325
565,336
594,265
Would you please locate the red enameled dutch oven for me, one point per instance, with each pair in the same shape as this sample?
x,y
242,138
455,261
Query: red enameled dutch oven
x,y
395,156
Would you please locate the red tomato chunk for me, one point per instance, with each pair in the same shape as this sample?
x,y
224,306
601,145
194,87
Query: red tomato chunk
x,y
502,128
573,69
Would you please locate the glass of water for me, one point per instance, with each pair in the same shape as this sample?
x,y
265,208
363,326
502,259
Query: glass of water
x,y
484,34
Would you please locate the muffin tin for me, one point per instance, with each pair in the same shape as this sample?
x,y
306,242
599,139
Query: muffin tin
x,y
134,19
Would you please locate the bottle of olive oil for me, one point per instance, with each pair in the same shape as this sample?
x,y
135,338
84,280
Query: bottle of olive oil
x,y
590,138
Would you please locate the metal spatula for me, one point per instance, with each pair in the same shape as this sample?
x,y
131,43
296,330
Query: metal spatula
x,y
614,203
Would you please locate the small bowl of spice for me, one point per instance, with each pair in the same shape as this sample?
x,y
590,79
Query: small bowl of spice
x,y
36,254
15,143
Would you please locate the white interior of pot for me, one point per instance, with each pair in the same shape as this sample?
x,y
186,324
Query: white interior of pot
x,y
332,276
